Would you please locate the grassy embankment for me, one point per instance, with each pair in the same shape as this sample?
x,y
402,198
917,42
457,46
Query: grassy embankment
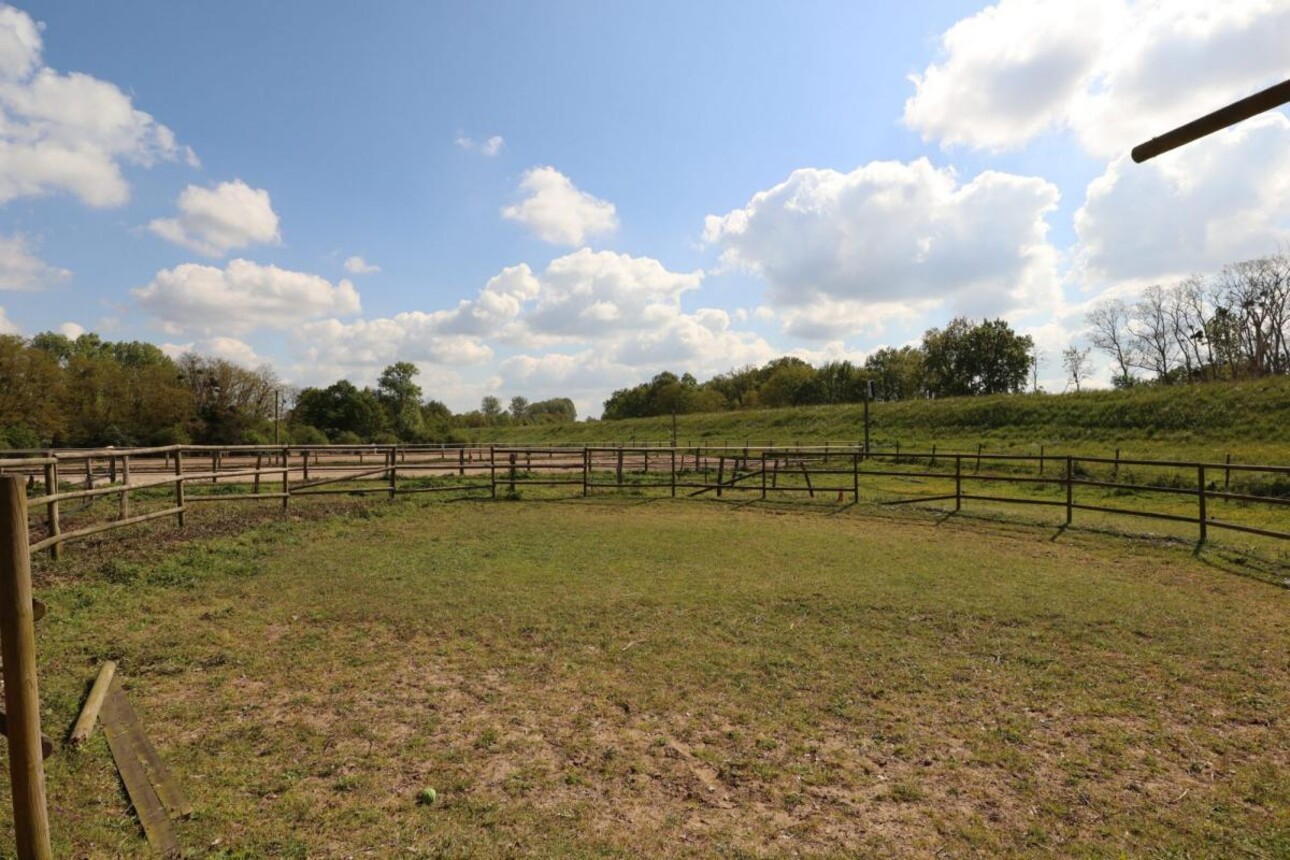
x,y
1250,420
610,678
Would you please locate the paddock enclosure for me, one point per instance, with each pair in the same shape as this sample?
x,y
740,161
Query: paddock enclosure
x,y
582,665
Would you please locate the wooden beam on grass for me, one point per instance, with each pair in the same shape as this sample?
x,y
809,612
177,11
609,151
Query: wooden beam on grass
x,y
122,735
93,704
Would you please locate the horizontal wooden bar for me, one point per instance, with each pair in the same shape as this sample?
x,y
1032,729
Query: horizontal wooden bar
x,y
1011,500
104,527
1244,497
367,473
1178,518
234,497
352,491
920,499
1254,530
1145,488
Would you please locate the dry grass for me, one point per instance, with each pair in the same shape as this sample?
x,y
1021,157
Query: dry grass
x,y
609,678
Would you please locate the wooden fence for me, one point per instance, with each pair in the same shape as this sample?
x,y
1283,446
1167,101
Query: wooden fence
x,y
164,482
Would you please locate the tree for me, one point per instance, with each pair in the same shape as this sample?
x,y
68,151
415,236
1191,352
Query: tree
x,y
969,358
1109,331
1077,364
491,407
340,407
557,410
519,407
401,397
898,374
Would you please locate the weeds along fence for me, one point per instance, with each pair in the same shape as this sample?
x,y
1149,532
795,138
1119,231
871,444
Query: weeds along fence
x,y
65,489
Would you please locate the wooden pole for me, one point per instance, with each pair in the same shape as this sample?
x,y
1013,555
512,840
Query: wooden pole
x,y
1070,475
93,704
51,510
286,481
21,693
512,473
394,472
620,466
586,470
674,468
958,482
259,463
855,472
179,486
492,469
1202,516
721,474
125,484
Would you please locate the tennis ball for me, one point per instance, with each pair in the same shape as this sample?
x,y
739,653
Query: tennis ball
x,y
427,796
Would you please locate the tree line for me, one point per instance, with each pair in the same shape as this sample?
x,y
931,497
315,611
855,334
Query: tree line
x,y
963,358
57,391
1231,325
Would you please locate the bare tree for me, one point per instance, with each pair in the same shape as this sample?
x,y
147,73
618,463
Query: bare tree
x,y
1077,364
1152,329
1110,332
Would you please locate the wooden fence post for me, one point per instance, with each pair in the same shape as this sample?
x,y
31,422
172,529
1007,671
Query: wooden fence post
x,y
1041,459
1227,473
586,470
855,475
51,510
977,469
304,458
259,462
214,466
461,462
1202,516
1070,478
393,474
933,460
21,692
179,486
674,471
125,484
958,482
512,471
763,476
286,480
492,469
1115,475
721,473
620,466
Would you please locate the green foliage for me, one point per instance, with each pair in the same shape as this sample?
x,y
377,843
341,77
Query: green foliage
x,y
967,358
305,434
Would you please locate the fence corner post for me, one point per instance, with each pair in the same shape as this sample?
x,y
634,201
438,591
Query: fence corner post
x,y
21,691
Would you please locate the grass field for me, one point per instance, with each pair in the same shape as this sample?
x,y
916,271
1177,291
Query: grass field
x,y
626,678
1250,420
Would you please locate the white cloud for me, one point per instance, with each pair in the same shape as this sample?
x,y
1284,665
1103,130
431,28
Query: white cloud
x,y
241,297
844,252
68,133
358,266
1193,209
214,221
490,147
557,211
71,330
20,269
228,348
6,325
589,294
1114,72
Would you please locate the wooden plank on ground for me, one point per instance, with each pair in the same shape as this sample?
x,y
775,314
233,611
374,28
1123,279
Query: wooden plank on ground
x,y
121,733
93,704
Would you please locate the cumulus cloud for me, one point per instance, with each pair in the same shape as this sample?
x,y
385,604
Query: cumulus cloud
x,y
20,269
490,147
68,133
1193,209
358,266
242,296
228,348
6,325
71,330
557,211
214,221
843,252
1114,72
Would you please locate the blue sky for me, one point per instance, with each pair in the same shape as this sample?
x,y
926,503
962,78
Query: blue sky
x,y
563,198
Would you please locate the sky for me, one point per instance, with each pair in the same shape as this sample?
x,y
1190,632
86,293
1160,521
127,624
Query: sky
x,y
564,198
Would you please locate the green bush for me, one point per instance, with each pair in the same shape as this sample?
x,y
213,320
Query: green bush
x,y
303,434
347,437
